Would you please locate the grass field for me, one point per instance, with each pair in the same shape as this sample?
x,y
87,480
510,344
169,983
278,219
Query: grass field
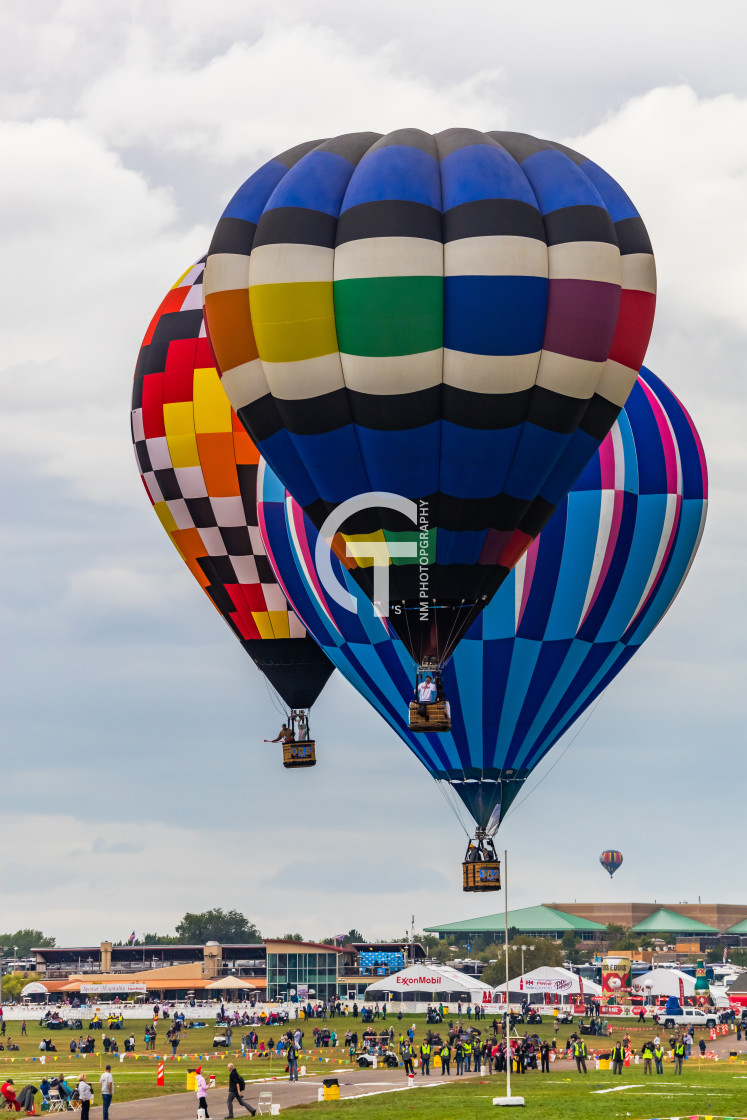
x,y
560,1096
135,1078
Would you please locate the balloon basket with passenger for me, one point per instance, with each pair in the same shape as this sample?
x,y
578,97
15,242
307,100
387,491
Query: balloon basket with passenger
x,y
481,869
429,711
299,749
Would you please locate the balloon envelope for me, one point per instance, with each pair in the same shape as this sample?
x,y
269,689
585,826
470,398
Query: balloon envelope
x,y
453,319
589,591
610,861
199,469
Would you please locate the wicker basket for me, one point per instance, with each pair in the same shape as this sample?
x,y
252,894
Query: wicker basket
x,y
481,876
302,753
438,717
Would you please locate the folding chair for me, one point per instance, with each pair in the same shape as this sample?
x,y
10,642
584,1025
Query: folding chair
x,y
56,1103
264,1103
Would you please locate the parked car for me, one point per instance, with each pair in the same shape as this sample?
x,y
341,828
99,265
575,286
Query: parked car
x,y
689,1016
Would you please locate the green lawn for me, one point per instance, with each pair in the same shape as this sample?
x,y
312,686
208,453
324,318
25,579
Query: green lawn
x,y
561,1095
136,1078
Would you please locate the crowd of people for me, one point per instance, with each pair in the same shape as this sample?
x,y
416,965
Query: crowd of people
x,y
71,1094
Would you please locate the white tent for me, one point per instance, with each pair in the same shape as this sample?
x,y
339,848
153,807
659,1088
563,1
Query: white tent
x,y
663,982
555,980
231,983
431,984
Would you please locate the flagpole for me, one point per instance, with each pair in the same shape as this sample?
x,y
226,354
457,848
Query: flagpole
x,y
508,1100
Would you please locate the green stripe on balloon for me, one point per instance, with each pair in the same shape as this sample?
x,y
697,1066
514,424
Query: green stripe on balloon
x,y
384,316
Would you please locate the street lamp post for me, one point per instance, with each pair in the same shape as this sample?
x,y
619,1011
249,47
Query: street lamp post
x,y
524,949
508,1100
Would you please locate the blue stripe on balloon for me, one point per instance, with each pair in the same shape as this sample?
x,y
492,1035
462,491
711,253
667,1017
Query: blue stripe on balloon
x,y
401,462
501,315
579,448
629,454
649,524
572,584
551,657
523,663
542,728
395,171
612,194
482,171
280,453
484,473
470,685
459,548
322,455
557,182
316,182
652,467
691,516
249,200
692,474
549,555
596,616
536,453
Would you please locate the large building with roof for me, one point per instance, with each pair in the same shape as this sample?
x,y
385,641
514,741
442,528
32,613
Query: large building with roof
x,y
588,921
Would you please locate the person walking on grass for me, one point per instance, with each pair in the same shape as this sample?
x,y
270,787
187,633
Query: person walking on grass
x,y
579,1053
659,1057
107,1090
236,1086
408,1057
292,1056
618,1057
425,1059
85,1096
647,1053
445,1055
679,1055
201,1091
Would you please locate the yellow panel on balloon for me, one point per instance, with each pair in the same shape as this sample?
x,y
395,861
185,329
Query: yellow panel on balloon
x,y
165,516
363,561
212,408
183,451
263,624
279,620
178,418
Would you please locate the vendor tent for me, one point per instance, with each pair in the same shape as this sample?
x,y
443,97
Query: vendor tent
x,y
430,984
232,983
552,980
663,982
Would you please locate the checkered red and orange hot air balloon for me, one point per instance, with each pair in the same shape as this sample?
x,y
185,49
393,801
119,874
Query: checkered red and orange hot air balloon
x,y
610,861
199,469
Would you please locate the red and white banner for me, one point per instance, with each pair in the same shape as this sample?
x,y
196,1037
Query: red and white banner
x,y
682,992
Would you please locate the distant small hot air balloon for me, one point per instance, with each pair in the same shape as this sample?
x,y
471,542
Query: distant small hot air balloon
x,y
610,861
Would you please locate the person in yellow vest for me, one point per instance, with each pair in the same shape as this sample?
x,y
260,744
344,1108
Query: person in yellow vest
x,y
647,1053
679,1055
425,1059
618,1057
659,1057
408,1057
467,1051
445,1055
579,1053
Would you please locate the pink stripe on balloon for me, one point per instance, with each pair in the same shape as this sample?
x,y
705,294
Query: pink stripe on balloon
x,y
528,576
667,438
607,462
615,523
665,557
299,525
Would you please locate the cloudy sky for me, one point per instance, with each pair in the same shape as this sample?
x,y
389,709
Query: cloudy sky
x,y
134,782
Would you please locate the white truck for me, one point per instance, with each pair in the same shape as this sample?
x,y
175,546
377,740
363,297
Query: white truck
x,y
688,1017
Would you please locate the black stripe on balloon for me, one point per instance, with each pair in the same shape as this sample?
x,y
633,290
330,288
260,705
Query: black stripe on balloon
x,y
520,145
579,223
389,218
141,372
247,475
599,417
202,513
295,225
291,157
220,571
167,484
264,570
260,418
632,236
233,235
536,517
501,512
496,217
454,139
143,458
173,327
352,146
237,541
485,411
555,412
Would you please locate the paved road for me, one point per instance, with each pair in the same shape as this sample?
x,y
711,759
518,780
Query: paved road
x,y
353,1082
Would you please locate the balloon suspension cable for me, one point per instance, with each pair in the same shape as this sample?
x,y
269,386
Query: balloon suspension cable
x,y
277,700
561,756
449,647
453,805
